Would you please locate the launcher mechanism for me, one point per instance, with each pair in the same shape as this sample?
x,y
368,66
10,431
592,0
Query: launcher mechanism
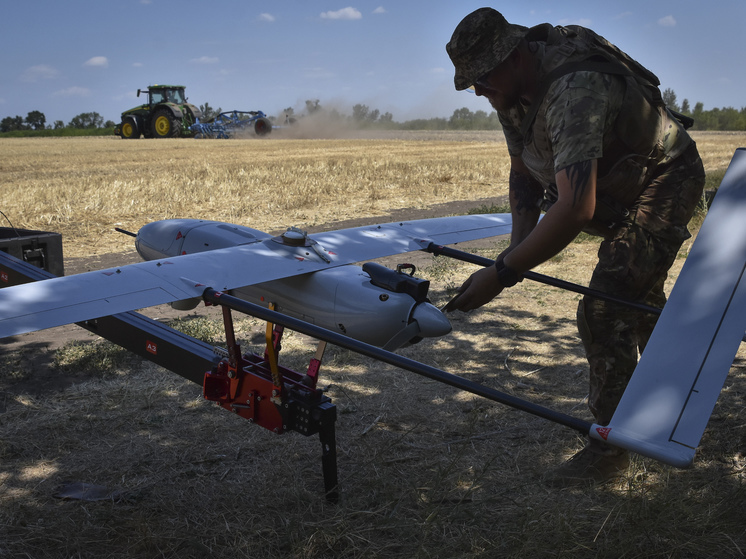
x,y
258,388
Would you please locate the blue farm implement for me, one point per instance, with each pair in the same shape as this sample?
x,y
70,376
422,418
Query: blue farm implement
x,y
231,124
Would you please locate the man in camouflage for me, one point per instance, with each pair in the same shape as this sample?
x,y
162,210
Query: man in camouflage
x,y
591,142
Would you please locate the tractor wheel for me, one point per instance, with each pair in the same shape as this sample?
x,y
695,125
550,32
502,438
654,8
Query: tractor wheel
x,y
129,130
262,127
164,125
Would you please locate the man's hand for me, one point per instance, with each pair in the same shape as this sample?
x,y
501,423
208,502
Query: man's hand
x,y
481,287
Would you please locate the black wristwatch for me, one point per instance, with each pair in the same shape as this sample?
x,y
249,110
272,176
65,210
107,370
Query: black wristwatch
x,y
507,276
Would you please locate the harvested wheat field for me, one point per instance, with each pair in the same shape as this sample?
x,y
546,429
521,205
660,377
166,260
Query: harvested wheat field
x,y
424,470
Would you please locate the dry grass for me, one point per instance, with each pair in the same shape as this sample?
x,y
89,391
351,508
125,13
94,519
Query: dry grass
x,y
83,187
425,471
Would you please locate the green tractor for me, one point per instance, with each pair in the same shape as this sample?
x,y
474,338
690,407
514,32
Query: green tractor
x,y
166,114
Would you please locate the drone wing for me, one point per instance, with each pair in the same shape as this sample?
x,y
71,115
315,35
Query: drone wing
x,y
64,300
669,400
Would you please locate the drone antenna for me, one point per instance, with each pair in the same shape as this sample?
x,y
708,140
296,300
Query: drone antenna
x,y
131,234
11,225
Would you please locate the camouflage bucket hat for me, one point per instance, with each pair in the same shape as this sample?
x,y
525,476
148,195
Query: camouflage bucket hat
x,y
480,42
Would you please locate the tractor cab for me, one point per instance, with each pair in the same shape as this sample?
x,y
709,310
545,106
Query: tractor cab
x,y
165,94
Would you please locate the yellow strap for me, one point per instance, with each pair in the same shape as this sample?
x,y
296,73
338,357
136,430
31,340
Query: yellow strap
x,y
272,353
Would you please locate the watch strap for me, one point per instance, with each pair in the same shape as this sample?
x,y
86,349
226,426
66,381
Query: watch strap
x,y
507,276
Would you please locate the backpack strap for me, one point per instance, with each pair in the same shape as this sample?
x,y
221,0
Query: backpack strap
x,y
595,63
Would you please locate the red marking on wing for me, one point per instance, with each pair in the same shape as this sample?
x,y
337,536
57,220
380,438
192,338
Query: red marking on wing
x,y
604,432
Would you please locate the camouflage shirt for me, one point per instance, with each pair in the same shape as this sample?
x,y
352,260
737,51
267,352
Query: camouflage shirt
x,y
579,119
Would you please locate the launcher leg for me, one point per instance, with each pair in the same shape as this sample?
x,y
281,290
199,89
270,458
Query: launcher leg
x,y
329,462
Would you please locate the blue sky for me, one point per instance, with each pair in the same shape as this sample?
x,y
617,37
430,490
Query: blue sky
x,y
66,57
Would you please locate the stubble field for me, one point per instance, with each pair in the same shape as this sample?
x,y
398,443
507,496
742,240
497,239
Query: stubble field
x,y
425,470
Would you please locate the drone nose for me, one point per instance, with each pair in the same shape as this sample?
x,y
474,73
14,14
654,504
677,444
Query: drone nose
x,y
431,321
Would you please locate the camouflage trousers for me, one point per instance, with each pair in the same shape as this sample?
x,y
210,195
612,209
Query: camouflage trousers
x,y
633,263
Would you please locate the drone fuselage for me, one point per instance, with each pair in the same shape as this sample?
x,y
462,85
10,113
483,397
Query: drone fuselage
x,y
344,299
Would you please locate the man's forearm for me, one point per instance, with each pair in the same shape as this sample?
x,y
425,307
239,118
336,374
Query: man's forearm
x,y
525,199
576,186
547,239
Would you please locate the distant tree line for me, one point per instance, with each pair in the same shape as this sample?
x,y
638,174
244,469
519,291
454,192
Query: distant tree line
x,y
362,116
35,120
728,118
